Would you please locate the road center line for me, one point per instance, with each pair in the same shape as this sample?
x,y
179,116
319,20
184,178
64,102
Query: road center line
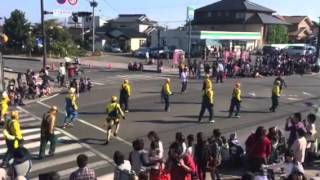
x,y
91,125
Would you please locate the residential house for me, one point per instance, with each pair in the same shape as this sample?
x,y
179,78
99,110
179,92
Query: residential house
x,y
127,31
137,22
300,28
236,16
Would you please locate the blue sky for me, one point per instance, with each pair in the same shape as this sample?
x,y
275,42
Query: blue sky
x,y
167,12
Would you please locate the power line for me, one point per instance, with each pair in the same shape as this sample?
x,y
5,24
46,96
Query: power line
x,y
108,4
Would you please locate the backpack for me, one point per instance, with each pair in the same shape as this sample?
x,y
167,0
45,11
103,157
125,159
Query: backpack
x,y
126,175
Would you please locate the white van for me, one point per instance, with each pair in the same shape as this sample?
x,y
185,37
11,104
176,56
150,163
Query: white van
x,y
299,50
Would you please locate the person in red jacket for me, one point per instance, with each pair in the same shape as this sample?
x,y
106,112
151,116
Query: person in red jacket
x,y
180,165
258,148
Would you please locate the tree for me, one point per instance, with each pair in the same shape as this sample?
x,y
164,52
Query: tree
x,y
277,34
16,27
59,41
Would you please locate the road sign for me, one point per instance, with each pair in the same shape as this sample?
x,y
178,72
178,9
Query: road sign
x,y
190,13
61,1
61,13
73,2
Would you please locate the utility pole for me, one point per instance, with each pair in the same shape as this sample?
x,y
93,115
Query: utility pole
x,y
93,4
189,43
44,43
158,51
318,45
2,83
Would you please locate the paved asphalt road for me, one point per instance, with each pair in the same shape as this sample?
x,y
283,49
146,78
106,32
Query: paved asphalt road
x,y
147,114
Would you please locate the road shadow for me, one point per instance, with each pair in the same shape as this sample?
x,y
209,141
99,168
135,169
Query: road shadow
x,y
93,141
251,112
181,102
91,113
146,110
204,117
30,127
150,92
252,97
254,112
166,122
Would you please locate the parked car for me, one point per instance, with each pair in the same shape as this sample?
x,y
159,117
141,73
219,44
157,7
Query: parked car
x,y
113,49
141,53
311,50
269,50
297,50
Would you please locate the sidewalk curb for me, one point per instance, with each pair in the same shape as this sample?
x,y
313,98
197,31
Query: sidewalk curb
x,y
21,58
27,102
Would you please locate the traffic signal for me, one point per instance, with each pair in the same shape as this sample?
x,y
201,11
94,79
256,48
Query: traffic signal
x,y
75,18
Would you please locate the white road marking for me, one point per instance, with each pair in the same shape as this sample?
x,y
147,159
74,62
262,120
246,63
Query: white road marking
x,y
50,97
105,177
105,157
28,137
23,115
94,165
307,94
97,83
91,125
59,161
31,145
27,119
293,99
25,131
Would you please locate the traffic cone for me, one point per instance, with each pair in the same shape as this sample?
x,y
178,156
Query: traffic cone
x,y
53,67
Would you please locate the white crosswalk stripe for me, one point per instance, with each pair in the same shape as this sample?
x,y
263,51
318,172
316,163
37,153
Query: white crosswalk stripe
x,y
139,77
65,153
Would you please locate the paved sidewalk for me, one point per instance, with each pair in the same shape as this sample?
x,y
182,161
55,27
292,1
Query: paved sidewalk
x,y
107,61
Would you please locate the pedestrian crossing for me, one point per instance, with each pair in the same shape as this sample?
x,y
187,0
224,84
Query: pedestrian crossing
x,y
67,149
136,77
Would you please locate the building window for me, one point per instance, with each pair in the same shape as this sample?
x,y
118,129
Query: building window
x,y
219,13
123,26
141,43
209,14
240,15
227,14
